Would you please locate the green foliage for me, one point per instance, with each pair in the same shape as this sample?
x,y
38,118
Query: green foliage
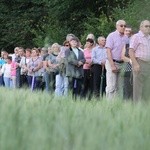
x,y
135,13
98,26
21,22
103,23
31,23
38,121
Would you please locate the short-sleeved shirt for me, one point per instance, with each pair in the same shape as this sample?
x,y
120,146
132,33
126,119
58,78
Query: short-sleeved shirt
x,y
32,64
13,68
88,58
6,70
2,62
53,59
115,41
141,46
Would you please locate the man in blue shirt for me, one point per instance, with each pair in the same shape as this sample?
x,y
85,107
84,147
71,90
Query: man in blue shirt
x,y
98,62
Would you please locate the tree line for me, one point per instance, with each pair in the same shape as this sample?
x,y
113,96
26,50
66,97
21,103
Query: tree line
x,y
30,23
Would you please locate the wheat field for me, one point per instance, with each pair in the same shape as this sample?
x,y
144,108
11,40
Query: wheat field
x,y
39,121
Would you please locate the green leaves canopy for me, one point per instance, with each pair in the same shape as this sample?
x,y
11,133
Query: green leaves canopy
x,y
31,23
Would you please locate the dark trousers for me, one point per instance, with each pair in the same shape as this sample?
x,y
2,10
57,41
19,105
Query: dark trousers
x,y
36,84
18,77
87,84
76,86
23,81
103,82
52,81
128,85
99,75
1,80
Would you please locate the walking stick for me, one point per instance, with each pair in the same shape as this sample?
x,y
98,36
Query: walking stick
x,y
33,81
101,84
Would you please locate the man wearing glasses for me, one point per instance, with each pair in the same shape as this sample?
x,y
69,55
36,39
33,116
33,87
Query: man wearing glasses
x,y
140,55
114,45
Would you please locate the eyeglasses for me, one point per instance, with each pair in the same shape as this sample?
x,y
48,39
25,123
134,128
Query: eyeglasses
x,y
122,25
147,26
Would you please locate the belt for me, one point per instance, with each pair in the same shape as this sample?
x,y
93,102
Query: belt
x,y
118,61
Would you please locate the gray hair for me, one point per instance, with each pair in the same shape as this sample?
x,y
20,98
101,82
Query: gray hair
x,y
144,22
69,36
44,49
119,21
100,37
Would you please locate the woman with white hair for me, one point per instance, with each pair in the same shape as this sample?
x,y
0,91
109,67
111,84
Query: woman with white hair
x,y
61,78
90,36
52,65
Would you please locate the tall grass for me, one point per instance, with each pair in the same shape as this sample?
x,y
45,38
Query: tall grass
x,y
38,121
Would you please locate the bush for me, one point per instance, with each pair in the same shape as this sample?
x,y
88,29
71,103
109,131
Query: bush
x,y
134,14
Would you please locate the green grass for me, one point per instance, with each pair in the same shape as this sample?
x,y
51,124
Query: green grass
x,y
38,121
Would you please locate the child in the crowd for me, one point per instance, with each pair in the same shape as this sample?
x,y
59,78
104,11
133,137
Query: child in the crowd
x,y
9,73
13,74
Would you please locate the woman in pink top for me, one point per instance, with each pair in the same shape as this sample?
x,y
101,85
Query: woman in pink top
x,y
87,82
13,74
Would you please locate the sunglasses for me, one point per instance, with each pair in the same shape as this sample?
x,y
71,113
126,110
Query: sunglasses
x,y
67,45
122,25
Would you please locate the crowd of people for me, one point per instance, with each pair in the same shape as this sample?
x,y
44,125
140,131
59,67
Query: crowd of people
x,y
111,67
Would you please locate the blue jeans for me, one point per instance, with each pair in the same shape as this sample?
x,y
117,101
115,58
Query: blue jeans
x,y
61,85
8,82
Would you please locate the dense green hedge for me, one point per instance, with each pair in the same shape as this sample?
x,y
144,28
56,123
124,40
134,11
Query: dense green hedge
x,y
30,23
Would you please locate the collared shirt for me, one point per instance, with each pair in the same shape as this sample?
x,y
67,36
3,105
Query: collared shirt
x,y
115,41
88,58
98,55
141,46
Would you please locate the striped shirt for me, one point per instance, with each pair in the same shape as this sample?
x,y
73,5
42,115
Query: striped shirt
x,y
141,46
